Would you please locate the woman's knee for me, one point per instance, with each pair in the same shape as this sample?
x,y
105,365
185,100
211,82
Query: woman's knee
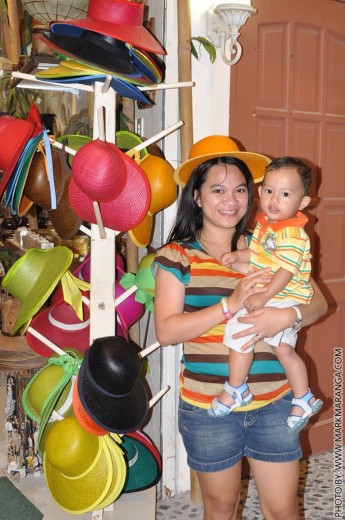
x,y
280,510
220,508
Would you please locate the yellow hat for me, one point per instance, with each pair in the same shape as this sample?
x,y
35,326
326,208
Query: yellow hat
x,y
215,146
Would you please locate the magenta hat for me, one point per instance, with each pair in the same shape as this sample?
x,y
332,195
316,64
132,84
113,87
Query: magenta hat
x,y
118,19
123,212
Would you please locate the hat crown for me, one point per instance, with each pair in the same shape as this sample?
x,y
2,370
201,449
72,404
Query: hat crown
x,y
114,364
119,12
70,448
212,144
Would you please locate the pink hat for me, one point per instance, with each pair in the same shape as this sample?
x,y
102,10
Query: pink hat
x,y
99,170
14,135
60,324
118,19
125,211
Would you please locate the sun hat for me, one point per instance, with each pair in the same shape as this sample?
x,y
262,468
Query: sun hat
x,y
33,277
111,175
14,135
123,212
82,471
65,75
163,187
60,324
82,416
49,391
74,141
143,279
144,467
110,387
219,146
115,18
36,188
64,218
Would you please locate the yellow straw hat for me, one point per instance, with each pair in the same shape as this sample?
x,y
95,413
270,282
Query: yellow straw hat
x,y
215,146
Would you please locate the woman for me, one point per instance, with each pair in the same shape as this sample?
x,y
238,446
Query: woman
x,y
191,285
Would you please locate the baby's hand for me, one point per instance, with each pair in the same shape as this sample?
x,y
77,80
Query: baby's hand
x,y
255,302
228,259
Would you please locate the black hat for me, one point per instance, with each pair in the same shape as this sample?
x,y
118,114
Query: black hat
x,y
110,387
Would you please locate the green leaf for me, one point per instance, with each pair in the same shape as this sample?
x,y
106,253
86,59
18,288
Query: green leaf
x,y
207,45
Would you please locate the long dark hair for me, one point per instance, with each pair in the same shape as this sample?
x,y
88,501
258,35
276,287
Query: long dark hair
x,y
189,217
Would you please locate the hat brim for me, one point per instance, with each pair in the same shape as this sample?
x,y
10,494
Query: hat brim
x,y
256,163
143,470
73,334
142,234
82,416
121,414
123,88
136,35
33,278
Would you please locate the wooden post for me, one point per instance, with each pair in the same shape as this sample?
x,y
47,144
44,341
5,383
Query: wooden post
x,y
186,132
14,51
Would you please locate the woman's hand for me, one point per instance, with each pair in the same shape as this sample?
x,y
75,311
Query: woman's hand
x,y
248,286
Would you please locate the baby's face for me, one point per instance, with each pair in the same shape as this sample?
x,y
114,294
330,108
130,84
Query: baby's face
x,y
282,194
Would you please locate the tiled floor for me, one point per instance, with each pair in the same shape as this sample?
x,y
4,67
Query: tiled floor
x,y
315,497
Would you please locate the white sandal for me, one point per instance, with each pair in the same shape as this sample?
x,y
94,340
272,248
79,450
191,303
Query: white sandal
x,y
219,409
296,423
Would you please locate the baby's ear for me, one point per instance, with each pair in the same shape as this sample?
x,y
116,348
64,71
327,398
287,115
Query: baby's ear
x,y
305,202
260,190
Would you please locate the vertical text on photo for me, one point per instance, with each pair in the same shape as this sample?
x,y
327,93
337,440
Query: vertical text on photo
x,y
338,365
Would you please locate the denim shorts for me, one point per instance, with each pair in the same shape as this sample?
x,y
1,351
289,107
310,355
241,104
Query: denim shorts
x,y
217,443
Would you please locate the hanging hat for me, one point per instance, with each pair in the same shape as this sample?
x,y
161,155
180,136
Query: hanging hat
x,y
36,189
82,416
103,57
64,75
160,175
143,279
115,18
111,170
144,465
127,140
83,472
61,325
74,141
110,387
33,277
64,218
14,135
126,210
220,146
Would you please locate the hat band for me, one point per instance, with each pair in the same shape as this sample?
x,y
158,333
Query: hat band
x,y
68,326
67,404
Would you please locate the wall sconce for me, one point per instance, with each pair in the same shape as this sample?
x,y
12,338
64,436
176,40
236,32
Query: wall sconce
x,y
223,25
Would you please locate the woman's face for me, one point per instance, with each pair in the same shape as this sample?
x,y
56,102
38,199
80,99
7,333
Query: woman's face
x,y
223,197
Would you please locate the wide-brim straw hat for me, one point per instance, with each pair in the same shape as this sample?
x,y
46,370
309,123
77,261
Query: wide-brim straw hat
x,y
215,146
14,135
118,19
144,465
33,277
163,187
60,324
83,472
126,210
110,387
64,75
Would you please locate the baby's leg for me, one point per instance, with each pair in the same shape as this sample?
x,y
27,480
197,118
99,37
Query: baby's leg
x,y
296,373
239,365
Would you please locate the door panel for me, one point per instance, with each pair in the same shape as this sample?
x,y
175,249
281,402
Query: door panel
x,y
288,98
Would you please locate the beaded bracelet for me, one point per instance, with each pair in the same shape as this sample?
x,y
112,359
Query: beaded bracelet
x,y
225,309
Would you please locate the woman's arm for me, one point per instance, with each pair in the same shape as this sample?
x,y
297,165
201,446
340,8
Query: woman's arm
x,y
174,326
268,321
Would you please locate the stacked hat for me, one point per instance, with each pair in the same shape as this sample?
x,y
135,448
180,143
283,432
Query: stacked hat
x,y
110,40
109,385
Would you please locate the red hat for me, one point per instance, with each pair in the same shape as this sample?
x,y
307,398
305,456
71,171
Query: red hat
x,y
126,210
14,135
118,19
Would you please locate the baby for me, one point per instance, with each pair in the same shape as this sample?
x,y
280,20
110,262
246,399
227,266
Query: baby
x,y
278,241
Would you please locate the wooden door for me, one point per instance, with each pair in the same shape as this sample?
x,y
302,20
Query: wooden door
x,y
288,98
